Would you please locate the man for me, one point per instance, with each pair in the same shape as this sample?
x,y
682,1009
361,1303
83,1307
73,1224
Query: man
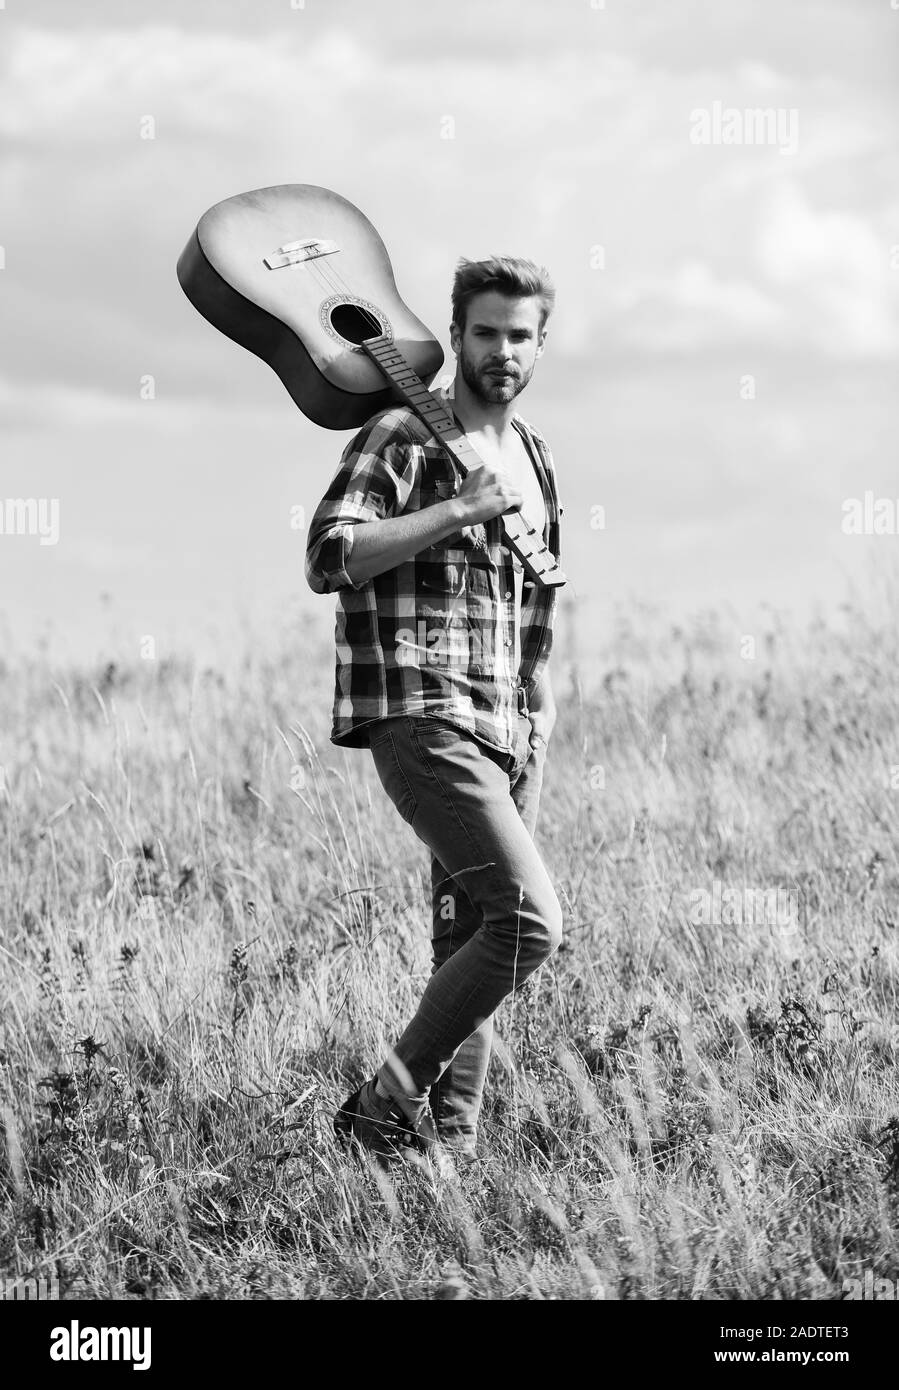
x,y
442,647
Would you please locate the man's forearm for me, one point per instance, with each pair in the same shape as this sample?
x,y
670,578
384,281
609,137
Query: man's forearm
x,y
541,694
382,545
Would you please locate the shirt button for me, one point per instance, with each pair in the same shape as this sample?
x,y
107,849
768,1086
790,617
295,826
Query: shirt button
x,y
508,593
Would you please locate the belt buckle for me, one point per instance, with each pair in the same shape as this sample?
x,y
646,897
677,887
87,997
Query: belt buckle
x,y
522,699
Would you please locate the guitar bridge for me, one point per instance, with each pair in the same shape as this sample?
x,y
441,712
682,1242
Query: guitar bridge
x,y
294,252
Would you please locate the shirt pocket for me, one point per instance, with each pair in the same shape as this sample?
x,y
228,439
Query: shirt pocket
x,y
441,489
441,568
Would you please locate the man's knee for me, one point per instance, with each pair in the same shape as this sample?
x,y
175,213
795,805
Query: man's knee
x,y
551,919
539,929
530,925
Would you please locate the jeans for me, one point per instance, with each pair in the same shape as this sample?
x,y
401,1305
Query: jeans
x,y
496,917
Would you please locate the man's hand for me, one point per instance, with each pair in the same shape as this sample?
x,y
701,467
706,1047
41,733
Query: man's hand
x,y
541,711
487,492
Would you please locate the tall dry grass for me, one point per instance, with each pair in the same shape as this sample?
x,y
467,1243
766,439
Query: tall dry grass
x,y
213,920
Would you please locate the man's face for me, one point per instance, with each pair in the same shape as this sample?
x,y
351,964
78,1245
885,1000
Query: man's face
x,y
500,345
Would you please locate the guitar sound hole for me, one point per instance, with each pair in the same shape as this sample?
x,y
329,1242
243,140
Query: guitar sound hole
x,y
354,323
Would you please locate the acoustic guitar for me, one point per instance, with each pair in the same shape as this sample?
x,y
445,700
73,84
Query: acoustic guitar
x,y
299,276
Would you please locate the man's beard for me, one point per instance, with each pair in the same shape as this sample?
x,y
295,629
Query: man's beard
x,y
491,390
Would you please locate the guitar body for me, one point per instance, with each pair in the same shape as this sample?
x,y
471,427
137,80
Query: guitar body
x,y
306,311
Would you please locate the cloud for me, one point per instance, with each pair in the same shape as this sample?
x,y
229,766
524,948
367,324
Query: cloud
x,y
51,404
813,281
832,269
693,308
84,86
578,136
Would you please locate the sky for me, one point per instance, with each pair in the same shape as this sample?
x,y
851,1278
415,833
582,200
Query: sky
x,y
719,378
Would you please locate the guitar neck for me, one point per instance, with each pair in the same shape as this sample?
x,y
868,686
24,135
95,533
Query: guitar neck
x,y
523,540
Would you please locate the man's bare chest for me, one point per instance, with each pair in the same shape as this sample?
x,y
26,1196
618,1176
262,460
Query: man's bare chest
x,y
515,460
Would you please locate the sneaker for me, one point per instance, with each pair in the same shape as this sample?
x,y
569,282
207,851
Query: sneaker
x,y
465,1156
460,1143
381,1127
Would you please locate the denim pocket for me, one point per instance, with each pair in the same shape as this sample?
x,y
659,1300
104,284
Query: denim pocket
x,y
378,733
431,726
393,778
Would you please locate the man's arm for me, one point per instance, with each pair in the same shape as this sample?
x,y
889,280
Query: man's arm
x,y
355,533
542,708
377,546
376,475
541,700
380,545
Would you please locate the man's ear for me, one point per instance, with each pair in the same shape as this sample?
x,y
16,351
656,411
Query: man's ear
x,y
541,343
455,337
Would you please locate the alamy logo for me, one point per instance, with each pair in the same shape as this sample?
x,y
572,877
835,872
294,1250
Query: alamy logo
x,y
728,125
77,1343
742,906
870,516
30,516
29,1290
883,1290
447,643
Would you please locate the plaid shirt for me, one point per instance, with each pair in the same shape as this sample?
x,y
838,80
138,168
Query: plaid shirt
x,y
435,635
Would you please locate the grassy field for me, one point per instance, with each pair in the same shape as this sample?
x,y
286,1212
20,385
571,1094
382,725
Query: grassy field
x,y
213,920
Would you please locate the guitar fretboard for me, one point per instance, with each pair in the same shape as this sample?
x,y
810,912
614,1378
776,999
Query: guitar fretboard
x,y
523,540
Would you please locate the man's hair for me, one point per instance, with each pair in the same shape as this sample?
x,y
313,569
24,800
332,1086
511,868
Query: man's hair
x,y
508,275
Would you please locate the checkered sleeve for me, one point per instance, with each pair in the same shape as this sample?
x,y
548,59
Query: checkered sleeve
x,y
372,482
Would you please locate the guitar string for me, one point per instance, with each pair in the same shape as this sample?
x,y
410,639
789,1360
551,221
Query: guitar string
x,y
332,277
334,282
